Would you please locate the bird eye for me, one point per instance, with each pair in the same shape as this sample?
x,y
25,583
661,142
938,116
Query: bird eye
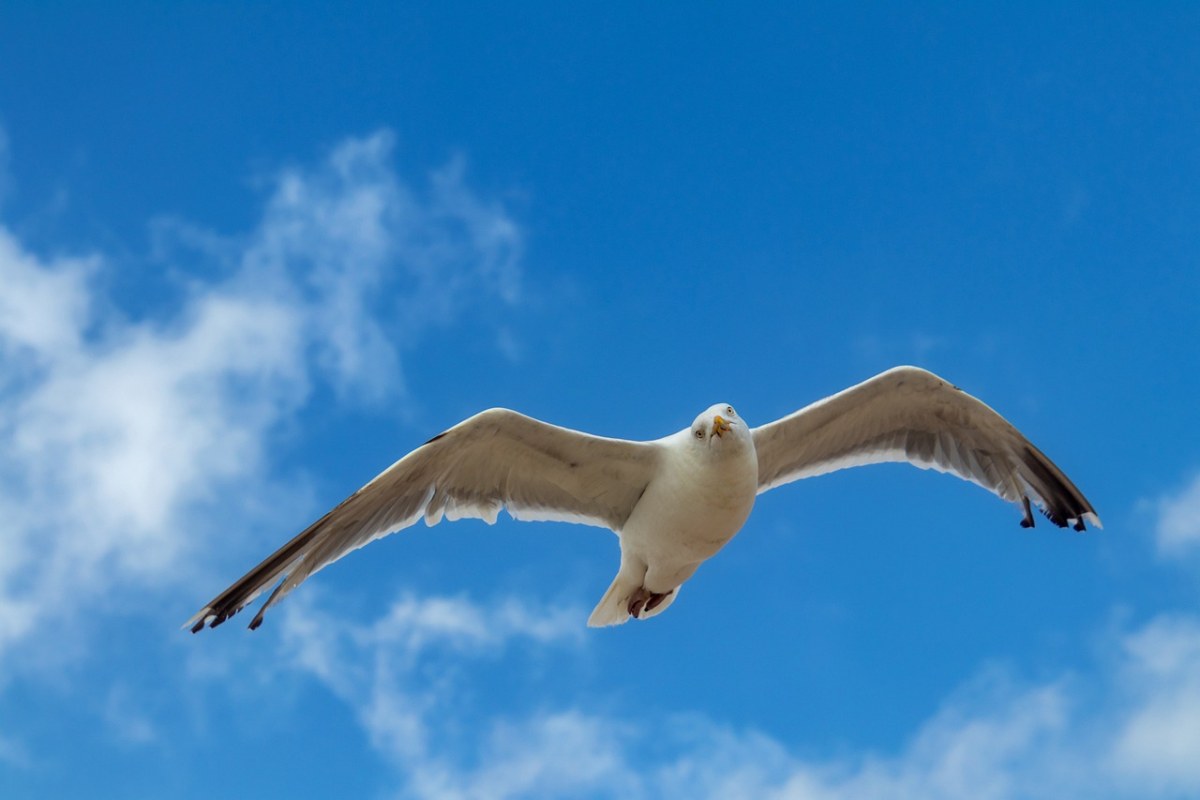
x,y
729,410
700,433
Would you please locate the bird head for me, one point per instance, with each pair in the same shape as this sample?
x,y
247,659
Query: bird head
x,y
719,426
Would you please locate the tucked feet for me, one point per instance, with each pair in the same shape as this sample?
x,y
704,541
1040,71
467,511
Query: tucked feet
x,y
644,600
1027,521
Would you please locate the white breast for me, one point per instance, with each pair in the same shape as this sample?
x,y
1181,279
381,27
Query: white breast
x,y
696,503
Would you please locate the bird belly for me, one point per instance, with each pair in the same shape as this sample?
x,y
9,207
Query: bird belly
x,y
675,529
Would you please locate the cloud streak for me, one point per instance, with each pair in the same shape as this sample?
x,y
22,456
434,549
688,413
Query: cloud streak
x,y
1178,529
398,672
119,434
1126,728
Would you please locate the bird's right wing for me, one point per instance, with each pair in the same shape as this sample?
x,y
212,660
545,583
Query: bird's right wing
x,y
910,415
496,459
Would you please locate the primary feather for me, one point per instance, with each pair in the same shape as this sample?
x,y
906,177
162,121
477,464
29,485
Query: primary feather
x,y
910,415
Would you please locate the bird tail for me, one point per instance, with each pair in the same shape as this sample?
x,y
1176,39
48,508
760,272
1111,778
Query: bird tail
x,y
613,608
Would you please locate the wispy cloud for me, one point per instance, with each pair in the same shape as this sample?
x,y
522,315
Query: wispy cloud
x,y
14,753
1126,728
1157,742
383,669
126,719
1178,529
118,434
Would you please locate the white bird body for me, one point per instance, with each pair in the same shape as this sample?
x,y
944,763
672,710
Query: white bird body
x,y
673,502
691,509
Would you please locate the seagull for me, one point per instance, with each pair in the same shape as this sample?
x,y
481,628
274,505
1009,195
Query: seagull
x,y
673,502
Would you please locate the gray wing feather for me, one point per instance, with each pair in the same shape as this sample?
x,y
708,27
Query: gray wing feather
x,y
910,415
495,460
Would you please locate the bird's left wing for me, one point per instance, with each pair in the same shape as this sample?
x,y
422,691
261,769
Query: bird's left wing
x,y
907,414
496,459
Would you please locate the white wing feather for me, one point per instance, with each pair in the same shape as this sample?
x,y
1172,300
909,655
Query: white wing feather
x,y
496,459
910,415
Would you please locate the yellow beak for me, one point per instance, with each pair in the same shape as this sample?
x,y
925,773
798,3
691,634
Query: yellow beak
x,y
720,425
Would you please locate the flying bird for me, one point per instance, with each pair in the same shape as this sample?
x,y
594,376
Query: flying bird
x,y
673,502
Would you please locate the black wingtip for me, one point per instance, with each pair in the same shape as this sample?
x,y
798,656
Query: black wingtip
x,y
258,620
1064,505
213,618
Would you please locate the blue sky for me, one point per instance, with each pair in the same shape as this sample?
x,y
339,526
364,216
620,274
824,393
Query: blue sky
x,y
250,256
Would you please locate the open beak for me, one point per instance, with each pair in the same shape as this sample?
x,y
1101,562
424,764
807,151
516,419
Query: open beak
x,y
720,425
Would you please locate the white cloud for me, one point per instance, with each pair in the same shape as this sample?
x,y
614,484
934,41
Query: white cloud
x,y
560,754
119,436
1178,530
375,667
43,306
1127,728
1158,742
339,237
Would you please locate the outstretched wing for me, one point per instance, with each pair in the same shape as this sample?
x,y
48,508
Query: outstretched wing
x,y
908,414
496,459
